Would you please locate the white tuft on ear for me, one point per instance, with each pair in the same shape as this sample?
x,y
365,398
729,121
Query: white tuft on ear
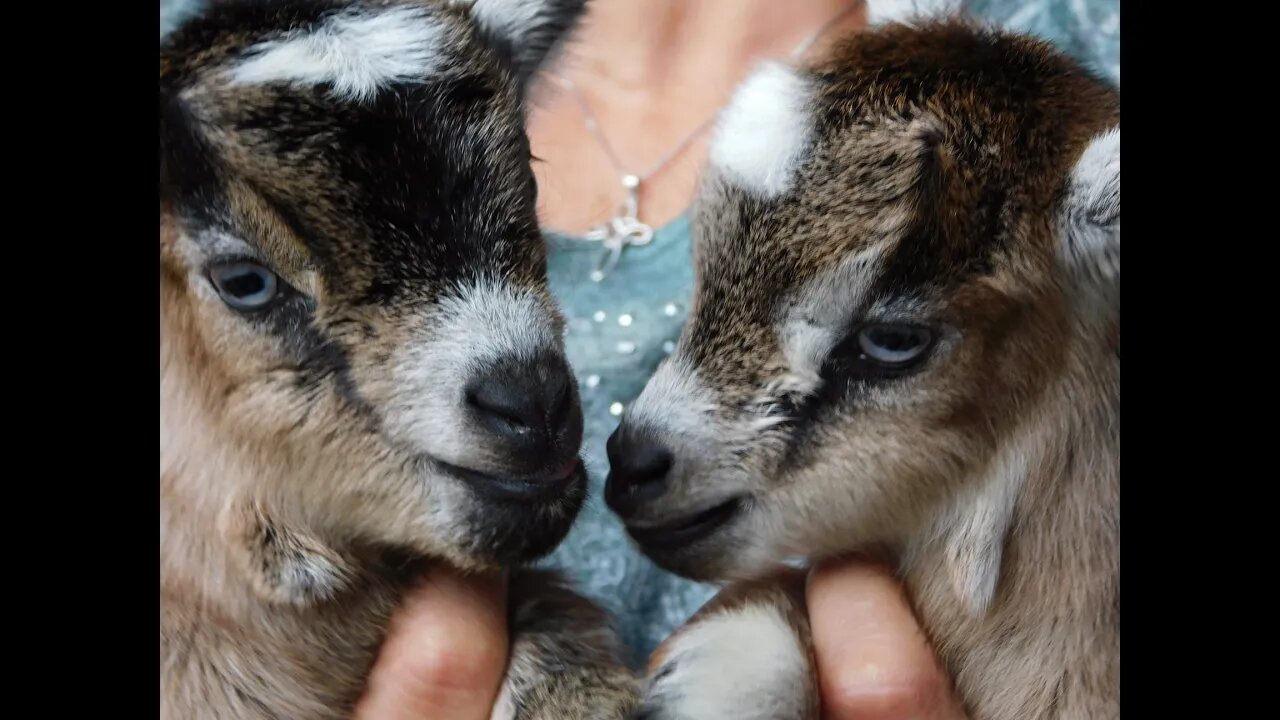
x,y
764,131
356,52
508,19
889,11
530,29
1090,224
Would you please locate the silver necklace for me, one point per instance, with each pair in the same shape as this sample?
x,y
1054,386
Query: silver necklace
x,y
625,229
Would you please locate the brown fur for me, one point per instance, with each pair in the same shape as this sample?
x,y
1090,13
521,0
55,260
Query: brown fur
x,y
937,190
313,454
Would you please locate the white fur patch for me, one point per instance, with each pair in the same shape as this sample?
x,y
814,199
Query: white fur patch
x,y
974,529
675,402
489,320
1091,211
356,52
312,575
820,311
765,130
808,330
745,663
1095,179
505,707
509,19
804,344
903,11
768,403
480,324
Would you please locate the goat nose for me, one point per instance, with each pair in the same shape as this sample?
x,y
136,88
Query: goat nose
x,y
530,407
638,468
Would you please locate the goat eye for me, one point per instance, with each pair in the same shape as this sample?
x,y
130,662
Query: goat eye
x,y
245,285
894,345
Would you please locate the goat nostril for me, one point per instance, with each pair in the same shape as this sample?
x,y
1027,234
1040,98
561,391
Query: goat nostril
x,y
500,402
648,466
529,404
639,467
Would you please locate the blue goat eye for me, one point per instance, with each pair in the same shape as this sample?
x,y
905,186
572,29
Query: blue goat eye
x,y
244,285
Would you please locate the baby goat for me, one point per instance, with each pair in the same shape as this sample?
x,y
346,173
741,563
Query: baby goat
x,y
905,338
361,369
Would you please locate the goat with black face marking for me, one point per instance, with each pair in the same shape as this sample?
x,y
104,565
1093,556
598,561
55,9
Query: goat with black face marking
x,y
361,369
905,337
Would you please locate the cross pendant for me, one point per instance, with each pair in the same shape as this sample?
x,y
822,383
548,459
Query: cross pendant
x,y
623,230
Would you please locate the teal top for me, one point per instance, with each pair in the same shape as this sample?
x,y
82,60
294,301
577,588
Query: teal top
x,y
619,329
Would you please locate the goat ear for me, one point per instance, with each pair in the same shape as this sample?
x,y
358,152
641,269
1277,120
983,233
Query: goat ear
x,y
526,32
1090,229
283,564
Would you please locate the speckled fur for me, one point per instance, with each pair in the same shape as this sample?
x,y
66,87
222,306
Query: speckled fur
x,y
938,189
296,501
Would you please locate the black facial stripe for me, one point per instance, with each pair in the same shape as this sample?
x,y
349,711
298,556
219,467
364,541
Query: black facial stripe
x,y
189,170
806,417
426,185
926,258
331,360
422,193
839,391
315,356
470,211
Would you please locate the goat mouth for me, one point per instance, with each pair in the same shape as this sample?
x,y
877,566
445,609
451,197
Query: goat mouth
x,y
688,530
525,489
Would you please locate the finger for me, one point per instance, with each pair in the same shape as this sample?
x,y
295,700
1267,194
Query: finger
x,y
874,661
445,652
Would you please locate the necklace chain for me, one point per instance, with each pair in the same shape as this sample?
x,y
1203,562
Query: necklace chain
x,y
625,228
593,125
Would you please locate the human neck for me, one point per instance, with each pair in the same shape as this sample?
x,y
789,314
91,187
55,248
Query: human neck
x,y
653,74
638,45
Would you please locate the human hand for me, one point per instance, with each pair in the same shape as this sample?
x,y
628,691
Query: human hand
x,y
446,651
874,661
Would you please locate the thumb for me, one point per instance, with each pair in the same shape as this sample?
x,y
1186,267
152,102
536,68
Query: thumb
x,y
445,653
874,661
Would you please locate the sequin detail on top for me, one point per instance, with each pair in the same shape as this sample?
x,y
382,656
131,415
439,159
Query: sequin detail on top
x,y
619,329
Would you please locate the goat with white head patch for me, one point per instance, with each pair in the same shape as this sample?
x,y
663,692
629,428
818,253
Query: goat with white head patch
x,y
905,338
361,369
